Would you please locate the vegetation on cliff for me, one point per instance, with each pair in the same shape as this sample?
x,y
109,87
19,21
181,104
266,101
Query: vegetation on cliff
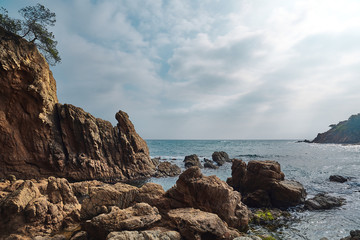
x,y
345,132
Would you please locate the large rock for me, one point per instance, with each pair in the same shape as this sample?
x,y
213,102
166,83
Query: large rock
x,y
191,161
43,207
262,184
194,224
40,137
220,158
161,234
139,216
209,194
337,178
166,169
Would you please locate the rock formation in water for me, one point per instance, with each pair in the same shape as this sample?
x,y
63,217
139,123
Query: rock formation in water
x,y
345,132
40,137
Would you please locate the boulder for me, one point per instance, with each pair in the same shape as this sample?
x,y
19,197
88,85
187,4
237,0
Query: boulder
x,y
209,194
139,216
166,169
337,178
323,201
191,161
41,137
101,198
42,207
194,224
262,184
220,158
209,164
163,234
154,195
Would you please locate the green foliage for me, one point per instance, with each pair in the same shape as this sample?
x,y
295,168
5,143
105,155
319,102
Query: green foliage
x,y
263,216
268,238
34,29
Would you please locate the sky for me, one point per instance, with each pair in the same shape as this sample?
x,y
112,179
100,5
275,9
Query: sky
x,y
209,69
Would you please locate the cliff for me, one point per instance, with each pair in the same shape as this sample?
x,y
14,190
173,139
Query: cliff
x,y
345,132
40,137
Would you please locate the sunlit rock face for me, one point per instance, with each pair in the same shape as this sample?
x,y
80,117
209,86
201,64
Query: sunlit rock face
x,y
41,137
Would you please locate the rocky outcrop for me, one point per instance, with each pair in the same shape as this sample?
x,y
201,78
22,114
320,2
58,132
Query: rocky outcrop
x,y
209,164
155,234
197,224
40,137
220,158
345,132
262,184
166,169
209,194
338,178
191,161
40,207
323,201
139,216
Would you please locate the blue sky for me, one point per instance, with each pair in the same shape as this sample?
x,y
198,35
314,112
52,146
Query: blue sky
x,y
185,69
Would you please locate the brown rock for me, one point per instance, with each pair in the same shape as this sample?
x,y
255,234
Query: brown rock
x,y
166,169
163,234
262,184
154,195
191,161
101,198
194,224
139,216
209,194
40,137
38,207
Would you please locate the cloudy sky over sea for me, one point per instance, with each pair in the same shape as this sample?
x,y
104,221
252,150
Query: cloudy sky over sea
x,y
217,69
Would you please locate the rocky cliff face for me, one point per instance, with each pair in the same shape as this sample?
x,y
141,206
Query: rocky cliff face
x,y
345,132
41,137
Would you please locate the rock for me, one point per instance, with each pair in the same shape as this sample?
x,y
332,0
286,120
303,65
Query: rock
x,y
40,137
354,235
191,161
196,224
262,184
337,178
139,216
209,194
82,235
162,234
209,164
42,207
323,201
166,169
154,195
101,198
345,132
220,158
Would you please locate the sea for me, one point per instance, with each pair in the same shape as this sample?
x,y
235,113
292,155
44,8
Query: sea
x,y
308,163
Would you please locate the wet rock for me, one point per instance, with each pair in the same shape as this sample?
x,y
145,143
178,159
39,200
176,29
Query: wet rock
x,y
220,158
139,216
41,137
166,169
196,224
262,184
209,164
337,178
155,234
209,194
354,235
323,201
41,207
191,161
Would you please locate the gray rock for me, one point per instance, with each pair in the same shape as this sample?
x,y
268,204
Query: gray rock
x,y
220,158
337,178
323,201
191,161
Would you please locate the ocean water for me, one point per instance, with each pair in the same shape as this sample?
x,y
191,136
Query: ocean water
x,y
310,164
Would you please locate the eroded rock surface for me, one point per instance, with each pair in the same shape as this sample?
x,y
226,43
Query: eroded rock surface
x,y
220,158
156,234
191,161
262,184
40,137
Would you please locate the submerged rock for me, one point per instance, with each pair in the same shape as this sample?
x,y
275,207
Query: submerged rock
x,y
209,164
42,138
337,178
262,184
323,201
